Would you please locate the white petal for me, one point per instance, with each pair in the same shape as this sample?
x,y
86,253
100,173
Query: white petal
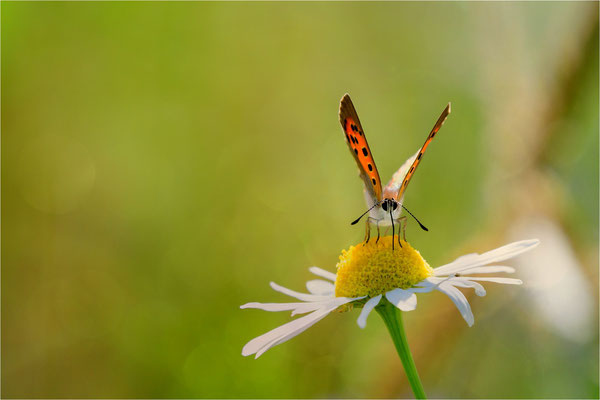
x,y
459,300
487,270
287,331
273,306
310,306
298,295
431,281
320,287
426,285
507,281
322,273
405,300
429,284
496,255
291,328
367,308
466,283
298,308
465,259
290,335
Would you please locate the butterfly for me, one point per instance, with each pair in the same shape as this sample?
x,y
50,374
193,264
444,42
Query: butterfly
x,y
384,204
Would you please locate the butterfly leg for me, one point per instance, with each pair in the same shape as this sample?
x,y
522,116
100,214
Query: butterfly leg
x,y
378,232
368,231
403,222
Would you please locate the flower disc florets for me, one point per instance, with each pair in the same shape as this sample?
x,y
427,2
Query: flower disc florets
x,y
375,268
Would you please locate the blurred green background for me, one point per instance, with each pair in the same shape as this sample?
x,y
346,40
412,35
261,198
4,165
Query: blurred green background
x,y
162,162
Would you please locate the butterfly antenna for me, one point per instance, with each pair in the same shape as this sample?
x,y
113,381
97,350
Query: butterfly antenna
x,y
420,224
363,214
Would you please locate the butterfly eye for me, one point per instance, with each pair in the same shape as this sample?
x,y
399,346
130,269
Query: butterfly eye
x,y
395,205
384,206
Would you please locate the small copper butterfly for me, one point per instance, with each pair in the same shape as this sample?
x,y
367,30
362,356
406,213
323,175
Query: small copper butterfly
x,y
384,205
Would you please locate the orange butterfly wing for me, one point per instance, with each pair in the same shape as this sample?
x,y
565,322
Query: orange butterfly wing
x,y
357,143
419,154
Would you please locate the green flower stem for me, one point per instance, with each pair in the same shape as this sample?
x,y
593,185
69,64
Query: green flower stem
x,y
392,317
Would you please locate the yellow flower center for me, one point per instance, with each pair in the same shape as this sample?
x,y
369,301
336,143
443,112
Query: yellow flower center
x,y
374,268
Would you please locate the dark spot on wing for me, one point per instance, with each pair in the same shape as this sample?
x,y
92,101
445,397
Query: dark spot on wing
x,y
374,181
365,152
370,167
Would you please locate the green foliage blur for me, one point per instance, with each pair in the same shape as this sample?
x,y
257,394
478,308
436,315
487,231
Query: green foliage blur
x,y
162,162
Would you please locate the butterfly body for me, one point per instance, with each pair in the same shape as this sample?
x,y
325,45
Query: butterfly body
x,y
384,204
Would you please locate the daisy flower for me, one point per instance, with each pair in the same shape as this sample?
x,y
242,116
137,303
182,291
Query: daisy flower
x,y
374,276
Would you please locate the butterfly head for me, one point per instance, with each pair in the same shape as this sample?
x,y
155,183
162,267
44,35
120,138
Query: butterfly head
x,y
389,205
